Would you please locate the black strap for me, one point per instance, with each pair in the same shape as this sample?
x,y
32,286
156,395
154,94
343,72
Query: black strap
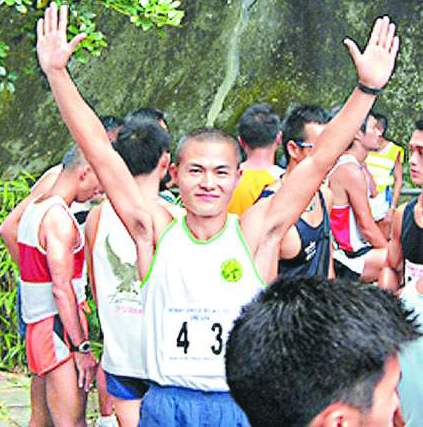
x,y
323,268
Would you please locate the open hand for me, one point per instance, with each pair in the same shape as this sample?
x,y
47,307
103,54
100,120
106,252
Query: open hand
x,y
53,49
375,65
86,366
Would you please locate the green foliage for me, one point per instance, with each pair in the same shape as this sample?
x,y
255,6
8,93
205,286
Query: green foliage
x,y
12,349
7,78
146,14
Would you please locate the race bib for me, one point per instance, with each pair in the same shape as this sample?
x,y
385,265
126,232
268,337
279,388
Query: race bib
x,y
412,273
195,340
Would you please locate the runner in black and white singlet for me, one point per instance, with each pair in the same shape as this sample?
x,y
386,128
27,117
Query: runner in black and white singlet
x,y
206,172
306,249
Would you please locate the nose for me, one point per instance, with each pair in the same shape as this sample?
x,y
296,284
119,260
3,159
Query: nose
x,y
208,181
413,157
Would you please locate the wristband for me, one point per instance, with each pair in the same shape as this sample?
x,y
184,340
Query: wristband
x,y
84,347
369,90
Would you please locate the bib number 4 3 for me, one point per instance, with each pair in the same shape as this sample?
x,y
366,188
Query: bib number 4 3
x,y
216,346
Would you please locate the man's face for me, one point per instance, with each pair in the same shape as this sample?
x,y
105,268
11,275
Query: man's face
x,y
385,397
89,185
370,139
207,175
416,157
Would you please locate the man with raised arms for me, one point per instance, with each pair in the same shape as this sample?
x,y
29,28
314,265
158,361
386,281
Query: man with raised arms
x,y
198,270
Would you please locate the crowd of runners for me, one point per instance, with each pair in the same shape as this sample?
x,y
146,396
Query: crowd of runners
x,y
213,271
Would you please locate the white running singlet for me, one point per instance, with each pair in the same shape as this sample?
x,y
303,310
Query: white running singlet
x,y
193,293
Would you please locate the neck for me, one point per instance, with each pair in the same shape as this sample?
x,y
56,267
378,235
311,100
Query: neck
x,y
64,187
358,151
259,158
205,228
291,166
148,184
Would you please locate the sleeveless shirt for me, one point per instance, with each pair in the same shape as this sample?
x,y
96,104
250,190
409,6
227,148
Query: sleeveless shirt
x,y
193,293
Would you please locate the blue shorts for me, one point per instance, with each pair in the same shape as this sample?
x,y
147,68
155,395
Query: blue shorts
x,y
182,407
126,388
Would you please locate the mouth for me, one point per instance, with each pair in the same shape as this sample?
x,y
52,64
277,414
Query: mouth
x,y
206,197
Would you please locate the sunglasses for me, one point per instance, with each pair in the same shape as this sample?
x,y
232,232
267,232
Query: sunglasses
x,y
303,144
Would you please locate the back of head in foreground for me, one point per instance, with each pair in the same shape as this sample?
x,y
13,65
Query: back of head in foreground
x,y
311,352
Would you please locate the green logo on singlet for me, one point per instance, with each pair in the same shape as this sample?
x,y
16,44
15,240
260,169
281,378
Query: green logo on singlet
x,y
231,270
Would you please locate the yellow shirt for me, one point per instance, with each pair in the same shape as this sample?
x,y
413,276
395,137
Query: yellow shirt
x,y
250,186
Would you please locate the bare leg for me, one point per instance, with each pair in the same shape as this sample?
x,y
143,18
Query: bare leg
x,y
127,411
40,416
66,402
388,280
375,260
105,402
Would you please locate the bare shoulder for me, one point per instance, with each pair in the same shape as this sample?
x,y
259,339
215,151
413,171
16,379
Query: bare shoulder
x,y
58,223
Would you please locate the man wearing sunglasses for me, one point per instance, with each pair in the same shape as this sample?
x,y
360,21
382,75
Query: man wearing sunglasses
x,y
306,248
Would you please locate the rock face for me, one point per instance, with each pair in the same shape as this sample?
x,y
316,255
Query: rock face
x,y
227,55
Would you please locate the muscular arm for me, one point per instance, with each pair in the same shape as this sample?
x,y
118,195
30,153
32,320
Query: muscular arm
x,y
374,68
54,52
355,184
58,237
9,228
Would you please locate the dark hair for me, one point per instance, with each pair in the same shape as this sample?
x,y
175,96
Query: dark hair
x,y
295,121
141,143
306,343
259,125
382,121
147,113
419,124
111,122
208,135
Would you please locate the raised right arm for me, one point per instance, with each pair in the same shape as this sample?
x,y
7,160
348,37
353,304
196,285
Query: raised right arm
x,y
53,53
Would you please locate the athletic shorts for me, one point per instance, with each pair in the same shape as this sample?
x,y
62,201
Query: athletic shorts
x,y
182,407
353,260
126,388
48,344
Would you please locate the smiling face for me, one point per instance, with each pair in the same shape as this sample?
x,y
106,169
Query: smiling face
x,y
207,174
416,157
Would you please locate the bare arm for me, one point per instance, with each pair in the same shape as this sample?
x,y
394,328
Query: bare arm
x,y
355,185
393,269
9,228
91,226
58,236
374,67
53,53
397,182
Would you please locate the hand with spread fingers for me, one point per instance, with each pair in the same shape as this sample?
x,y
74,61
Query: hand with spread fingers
x,y
53,49
375,64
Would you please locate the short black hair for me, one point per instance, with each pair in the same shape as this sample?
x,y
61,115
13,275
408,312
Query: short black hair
x,y
208,134
141,142
258,126
305,343
147,113
293,126
111,122
382,121
419,124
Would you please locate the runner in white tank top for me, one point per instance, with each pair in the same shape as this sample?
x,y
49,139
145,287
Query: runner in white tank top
x,y
206,171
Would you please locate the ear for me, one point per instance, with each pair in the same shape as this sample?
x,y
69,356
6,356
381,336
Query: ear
x,y
278,139
83,171
164,164
337,414
241,143
293,149
173,172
